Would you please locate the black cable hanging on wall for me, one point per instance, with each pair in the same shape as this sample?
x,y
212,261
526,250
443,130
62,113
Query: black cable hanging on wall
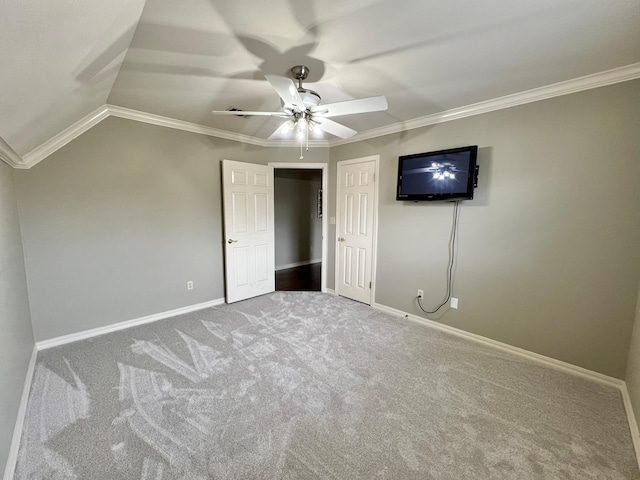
x,y
452,256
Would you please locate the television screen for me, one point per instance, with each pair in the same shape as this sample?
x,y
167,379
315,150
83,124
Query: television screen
x,y
442,175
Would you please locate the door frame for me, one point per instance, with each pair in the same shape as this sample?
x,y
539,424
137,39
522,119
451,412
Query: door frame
x,y
325,171
374,246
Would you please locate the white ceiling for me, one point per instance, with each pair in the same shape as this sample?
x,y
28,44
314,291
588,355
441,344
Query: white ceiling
x,y
62,59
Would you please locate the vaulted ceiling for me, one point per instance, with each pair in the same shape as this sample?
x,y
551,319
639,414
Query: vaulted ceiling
x,y
63,59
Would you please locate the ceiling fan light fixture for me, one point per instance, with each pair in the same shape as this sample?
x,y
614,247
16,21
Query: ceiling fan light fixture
x,y
305,113
288,126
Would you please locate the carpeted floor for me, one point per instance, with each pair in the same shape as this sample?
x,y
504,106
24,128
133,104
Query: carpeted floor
x,y
305,385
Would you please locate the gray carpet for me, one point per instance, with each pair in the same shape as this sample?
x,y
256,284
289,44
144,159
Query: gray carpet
x,y
302,385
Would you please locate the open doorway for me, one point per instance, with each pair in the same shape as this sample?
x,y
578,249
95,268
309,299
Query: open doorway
x,y
300,240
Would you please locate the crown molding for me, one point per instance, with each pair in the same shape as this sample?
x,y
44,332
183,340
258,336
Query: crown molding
x,y
153,119
168,122
55,143
58,141
10,156
601,79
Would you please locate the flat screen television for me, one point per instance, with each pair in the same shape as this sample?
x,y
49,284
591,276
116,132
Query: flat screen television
x,y
434,176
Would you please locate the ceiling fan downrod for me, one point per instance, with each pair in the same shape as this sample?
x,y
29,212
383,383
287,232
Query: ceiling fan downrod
x,y
300,73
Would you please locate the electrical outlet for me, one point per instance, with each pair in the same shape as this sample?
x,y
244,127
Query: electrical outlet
x,y
190,285
420,294
454,302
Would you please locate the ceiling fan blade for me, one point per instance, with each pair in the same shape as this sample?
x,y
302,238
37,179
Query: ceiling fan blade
x,y
362,105
334,128
287,91
282,130
243,113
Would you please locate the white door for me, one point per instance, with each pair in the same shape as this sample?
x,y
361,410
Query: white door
x,y
249,230
355,230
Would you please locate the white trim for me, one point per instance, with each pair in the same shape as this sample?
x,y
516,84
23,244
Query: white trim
x,y
374,243
10,156
374,247
300,165
330,291
298,264
12,458
633,424
325,208
153,119
58,141
601,79
536,357
94,332
587,82
55,143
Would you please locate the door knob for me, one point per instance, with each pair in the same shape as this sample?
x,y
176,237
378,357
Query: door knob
x,y
342,239
231,241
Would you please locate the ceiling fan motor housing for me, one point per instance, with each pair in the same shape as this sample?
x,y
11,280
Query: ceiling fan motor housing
x,y
309,98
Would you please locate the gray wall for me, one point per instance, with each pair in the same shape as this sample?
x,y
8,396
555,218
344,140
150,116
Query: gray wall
x,y
548,253
115,223
633,365
16,340
298,229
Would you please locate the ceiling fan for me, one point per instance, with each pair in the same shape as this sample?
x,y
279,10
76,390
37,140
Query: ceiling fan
x,y
304,111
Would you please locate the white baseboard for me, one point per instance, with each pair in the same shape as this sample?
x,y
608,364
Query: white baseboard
x,y
12,459
536,357
74,337
330,290
298,264
631,418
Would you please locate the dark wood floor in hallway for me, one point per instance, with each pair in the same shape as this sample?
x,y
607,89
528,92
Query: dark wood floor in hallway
x,y
303,278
